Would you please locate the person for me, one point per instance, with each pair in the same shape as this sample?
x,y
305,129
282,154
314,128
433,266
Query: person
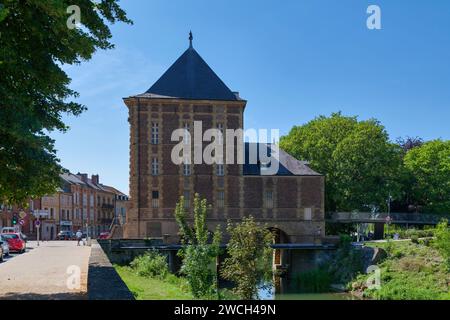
x,y
79,236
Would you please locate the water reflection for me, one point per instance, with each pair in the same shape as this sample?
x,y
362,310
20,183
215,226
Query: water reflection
x,y
281,291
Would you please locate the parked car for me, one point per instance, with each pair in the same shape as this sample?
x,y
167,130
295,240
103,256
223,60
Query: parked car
x,y
16,242
65,235
9,230
104,235
5,246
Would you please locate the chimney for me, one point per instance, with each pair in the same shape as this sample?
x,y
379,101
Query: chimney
x,y
83,177
95,179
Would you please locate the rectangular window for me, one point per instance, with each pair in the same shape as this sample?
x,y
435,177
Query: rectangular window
x,y
155,199
220,170
308,214
186,170
155,133
187,199
269,199
155,167
220,199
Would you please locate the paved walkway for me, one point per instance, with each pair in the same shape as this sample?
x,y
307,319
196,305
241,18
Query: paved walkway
x,y
41,273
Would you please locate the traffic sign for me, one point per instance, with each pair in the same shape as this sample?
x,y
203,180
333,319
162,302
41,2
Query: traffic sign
x,y
37,223
22,214
22,222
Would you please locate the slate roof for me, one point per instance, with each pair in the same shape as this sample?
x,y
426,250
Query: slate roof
x,y
288,165
190,78
69,178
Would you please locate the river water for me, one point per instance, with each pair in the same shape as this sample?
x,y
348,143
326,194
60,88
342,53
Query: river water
x,y
296,294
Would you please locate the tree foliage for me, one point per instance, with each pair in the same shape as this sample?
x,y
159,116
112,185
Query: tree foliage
x,y
429,167
199,253
35,42
442,241
360,164
250,257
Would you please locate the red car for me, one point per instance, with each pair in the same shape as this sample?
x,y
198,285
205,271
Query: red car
x,y
15,241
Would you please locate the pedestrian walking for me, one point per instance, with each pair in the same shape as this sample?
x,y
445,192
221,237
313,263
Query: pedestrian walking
x,y
79,236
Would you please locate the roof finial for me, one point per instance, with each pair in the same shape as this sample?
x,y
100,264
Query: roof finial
x,y
191,37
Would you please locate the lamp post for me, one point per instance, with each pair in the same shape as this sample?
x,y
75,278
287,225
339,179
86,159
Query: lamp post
x,y
388,218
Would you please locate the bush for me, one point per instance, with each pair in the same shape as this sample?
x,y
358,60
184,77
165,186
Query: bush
x,y
442,241
415,239
314,281
152,264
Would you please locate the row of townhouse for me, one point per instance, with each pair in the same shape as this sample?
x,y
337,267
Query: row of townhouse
x,y
81,203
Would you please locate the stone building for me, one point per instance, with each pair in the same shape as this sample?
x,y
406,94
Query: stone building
x,y
291,201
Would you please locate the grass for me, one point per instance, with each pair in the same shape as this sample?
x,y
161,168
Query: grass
x,y
411,271
146,288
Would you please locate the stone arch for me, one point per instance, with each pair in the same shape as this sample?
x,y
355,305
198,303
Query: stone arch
x,y
280,236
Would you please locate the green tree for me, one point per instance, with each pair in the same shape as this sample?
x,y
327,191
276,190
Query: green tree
x,y
442,241
35,43
359,162
429,165
199,252
250,257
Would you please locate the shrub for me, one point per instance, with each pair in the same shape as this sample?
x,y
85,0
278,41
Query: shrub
x,y
151,264
250,257
415,239
199,252
314,281
442,241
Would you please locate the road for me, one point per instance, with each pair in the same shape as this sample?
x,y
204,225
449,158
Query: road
x,y
42,272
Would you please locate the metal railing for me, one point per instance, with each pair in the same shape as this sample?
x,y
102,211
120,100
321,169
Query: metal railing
x,y
394,218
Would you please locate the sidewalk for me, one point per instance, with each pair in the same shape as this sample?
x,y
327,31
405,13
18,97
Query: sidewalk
x,y
41,273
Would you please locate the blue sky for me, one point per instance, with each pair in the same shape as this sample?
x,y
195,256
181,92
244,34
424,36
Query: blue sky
x,y
292,60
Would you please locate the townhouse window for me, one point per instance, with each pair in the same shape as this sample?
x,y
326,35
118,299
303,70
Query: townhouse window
x,y
155,167
187,199
155,199
269,199
51,213
220,199
220,170
155,133
186,170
